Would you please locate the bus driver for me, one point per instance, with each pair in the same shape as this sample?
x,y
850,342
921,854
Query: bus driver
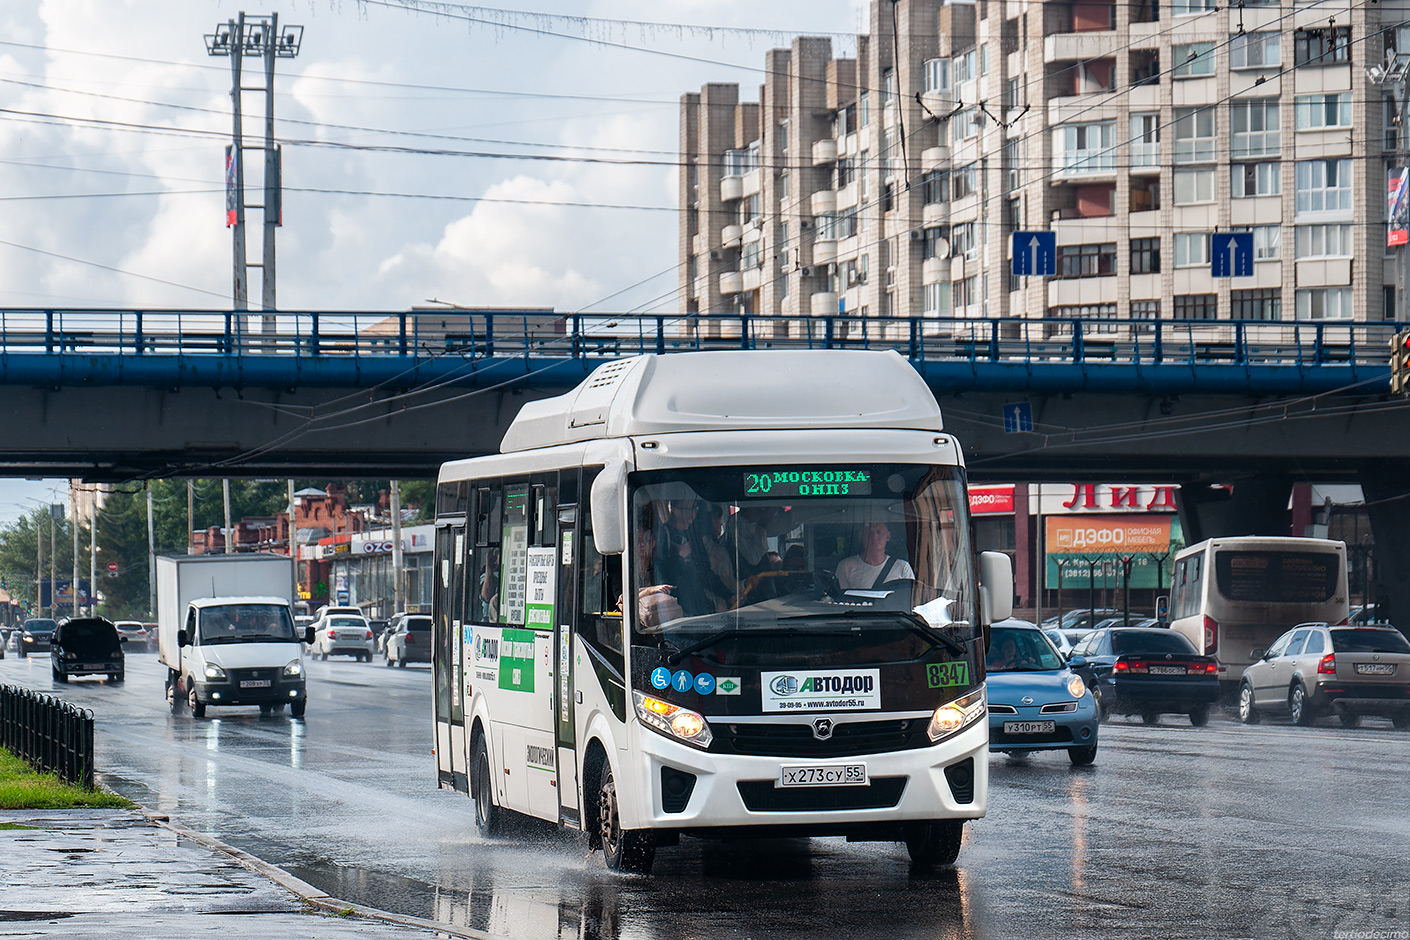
x,y
872,566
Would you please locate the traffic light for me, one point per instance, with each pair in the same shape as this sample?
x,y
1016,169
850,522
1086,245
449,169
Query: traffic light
x,y
1400,363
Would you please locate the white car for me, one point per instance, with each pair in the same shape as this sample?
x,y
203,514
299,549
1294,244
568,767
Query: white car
x,y
134,634
343,635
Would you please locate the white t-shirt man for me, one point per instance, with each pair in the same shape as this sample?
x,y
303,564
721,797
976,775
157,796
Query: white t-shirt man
x,y
854,574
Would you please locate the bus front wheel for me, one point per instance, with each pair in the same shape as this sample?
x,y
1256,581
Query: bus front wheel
x,y
489,818
624,849
936,842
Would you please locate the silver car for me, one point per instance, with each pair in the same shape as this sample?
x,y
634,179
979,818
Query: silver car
x,y
343,634
1315,669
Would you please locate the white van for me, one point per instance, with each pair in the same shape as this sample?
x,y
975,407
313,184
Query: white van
x,y
1231,596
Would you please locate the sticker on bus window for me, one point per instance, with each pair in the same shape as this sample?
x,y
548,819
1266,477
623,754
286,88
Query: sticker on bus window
x,y
568,547
516,660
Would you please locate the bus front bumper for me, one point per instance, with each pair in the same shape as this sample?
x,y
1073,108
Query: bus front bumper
x,y
681,787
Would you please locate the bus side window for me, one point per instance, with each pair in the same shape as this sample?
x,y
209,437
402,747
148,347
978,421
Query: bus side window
x,y
484,561
1177,591
1195,588
599,617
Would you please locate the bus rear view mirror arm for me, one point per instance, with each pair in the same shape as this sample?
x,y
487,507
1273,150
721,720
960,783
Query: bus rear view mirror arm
x,y
609,535
996,586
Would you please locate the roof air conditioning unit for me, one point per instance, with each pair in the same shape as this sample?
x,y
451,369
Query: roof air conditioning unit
x,y
808,270
805,224
917,234
716,254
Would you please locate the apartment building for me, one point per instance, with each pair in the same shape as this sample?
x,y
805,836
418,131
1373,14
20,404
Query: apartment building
x,y
889,184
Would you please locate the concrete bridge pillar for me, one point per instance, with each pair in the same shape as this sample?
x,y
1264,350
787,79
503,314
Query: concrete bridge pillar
x,y
1255,506
1386,486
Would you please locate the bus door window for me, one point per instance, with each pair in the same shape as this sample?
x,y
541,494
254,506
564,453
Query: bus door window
x,y
514,547
599,621
484,561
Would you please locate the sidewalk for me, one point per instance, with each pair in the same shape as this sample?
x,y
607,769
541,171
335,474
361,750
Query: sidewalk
x,y
121,875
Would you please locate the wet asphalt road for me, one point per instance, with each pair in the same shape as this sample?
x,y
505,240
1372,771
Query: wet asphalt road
x,y
1225,831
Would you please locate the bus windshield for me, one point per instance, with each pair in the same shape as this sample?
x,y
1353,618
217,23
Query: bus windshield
x,y
853,546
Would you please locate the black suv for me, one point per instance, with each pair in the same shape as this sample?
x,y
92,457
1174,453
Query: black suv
x,y
86,646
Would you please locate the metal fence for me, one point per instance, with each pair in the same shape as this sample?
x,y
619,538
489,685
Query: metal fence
x,y
52,735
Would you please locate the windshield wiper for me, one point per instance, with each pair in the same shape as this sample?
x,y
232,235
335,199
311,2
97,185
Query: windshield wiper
x,y
912,621
727,632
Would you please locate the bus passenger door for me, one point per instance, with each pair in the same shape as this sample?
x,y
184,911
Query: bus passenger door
x,y
565,690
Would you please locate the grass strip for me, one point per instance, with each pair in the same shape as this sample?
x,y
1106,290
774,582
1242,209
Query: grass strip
x,y
21,787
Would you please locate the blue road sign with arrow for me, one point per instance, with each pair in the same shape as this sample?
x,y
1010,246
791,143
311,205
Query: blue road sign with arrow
x,y
1018,416
1231,254
1034,254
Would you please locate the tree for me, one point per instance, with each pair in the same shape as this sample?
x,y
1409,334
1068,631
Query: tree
x,y
122,538
18,550
421,496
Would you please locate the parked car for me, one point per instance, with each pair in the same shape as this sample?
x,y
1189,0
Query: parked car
x,y
409,640
343,634
1315,669
134,634
1147,672
1036,702
86,646
34,635
1082,617
1135,620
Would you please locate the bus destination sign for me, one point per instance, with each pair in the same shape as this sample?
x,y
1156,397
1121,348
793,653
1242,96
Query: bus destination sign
x,y
791,482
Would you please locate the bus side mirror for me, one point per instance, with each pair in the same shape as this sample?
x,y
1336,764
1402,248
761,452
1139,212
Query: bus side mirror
x,y
609,489
1162,607
995,587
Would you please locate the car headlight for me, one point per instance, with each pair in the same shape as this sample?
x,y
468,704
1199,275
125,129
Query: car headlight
x,y
214,672
294,669
1076,687
70,656
952,716
682,723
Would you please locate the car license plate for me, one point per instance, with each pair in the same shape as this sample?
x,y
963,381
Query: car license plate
x,y
1167,670
823,775
1030,727
254,684
1376,669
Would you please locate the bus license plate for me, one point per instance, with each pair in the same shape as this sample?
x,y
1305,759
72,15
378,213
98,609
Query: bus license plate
x,y
1376,669
1167,670
1030,727
254,684
823,775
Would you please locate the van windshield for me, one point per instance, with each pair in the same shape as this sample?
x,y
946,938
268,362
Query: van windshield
x,y
866,546
247,623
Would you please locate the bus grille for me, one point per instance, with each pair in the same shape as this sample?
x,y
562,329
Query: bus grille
x,y
761,796
849,739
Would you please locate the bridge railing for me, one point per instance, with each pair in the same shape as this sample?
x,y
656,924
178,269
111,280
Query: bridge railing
x,y
422,335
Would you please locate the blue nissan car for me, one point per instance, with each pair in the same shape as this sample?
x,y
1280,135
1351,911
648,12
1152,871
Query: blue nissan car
x,y
1036,703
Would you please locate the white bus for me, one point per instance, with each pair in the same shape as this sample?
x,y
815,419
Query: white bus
x,y
718,594
1230,596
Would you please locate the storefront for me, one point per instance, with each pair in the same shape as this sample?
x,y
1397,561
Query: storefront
x,y
360,573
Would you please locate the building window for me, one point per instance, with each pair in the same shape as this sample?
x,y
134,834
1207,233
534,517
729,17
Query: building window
x,y
1196,306
1193,186
1324,303
1323,241
1087,260
846,172
965,65
1264,304
1145,140
1257,179
1145,256
964,293
1388,302
964,241
1191,249
965,125
936,298
750,256
1254,125
1013,94
1188,7
1194,135
1145,310
1323,185
1083,312
1013,158
937,76
935,243
1325,45
964,181
935,187
1086,148
1267,241
1255,50
1192,60
1312,112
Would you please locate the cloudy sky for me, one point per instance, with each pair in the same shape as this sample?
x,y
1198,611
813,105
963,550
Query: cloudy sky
x,y
115,120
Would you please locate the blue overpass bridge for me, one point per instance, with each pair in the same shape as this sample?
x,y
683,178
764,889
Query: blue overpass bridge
x,y
118,394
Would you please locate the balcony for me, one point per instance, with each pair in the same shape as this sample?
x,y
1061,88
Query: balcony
x,y
731,282
824,251
731,236
1081,47
823,202
731,188
824,152
933,157
1145,155
823,304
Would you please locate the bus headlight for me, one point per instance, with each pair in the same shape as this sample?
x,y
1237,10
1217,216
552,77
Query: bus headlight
x,y
681,723
952,716
294,669
1076,687
214,672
